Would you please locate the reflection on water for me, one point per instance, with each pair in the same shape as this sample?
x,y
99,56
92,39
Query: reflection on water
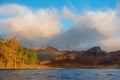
x,y
61,74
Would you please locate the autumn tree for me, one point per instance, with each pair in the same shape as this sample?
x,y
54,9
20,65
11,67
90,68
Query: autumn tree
x,y
13,55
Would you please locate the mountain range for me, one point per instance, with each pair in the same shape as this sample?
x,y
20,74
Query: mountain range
x,y
94,56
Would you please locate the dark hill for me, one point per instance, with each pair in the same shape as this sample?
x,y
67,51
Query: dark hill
x,y
48,53
94,56
97,51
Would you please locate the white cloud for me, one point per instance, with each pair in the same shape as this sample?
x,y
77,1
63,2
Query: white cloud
x,y
102,22
30,25
94,28
13,9
111,44
42,27
67,14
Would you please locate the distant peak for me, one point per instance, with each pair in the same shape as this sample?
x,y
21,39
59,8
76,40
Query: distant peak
x,y
96,50
50,47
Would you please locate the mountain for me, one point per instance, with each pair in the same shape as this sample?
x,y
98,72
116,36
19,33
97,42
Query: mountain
x,y
97,51
92,57
72,55
48,53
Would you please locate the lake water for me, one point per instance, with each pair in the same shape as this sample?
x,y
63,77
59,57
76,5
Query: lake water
x,y
61,74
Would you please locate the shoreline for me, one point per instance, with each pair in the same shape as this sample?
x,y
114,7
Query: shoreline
x,y
64,67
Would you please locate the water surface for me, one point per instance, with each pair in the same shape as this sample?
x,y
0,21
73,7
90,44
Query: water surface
x,y
61,74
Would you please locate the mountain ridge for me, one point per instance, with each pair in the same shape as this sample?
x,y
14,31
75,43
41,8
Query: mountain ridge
x,y
91,57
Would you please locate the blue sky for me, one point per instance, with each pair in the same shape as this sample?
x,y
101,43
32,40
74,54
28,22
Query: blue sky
x,y
59,4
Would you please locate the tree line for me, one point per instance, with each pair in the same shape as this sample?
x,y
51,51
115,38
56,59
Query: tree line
x,y
14,55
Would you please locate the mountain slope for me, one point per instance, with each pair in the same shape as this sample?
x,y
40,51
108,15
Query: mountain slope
x,y
91,57
48,53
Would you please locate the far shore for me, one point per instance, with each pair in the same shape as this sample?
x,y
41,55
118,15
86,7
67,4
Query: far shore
x,y
65,67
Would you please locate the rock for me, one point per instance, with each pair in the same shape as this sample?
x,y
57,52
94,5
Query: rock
x,y
96,51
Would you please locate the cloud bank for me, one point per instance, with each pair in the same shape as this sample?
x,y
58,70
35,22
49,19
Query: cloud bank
x,y
27,24
43,27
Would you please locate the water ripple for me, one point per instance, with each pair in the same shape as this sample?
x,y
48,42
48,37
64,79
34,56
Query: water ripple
x,y
61,74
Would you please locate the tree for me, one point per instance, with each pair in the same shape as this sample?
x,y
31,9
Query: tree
x,y
14,55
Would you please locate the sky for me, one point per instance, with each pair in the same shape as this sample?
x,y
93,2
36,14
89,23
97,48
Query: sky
x,y
63,24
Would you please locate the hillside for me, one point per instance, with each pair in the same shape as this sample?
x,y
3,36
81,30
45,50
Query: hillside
x,y
93,57
48,53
